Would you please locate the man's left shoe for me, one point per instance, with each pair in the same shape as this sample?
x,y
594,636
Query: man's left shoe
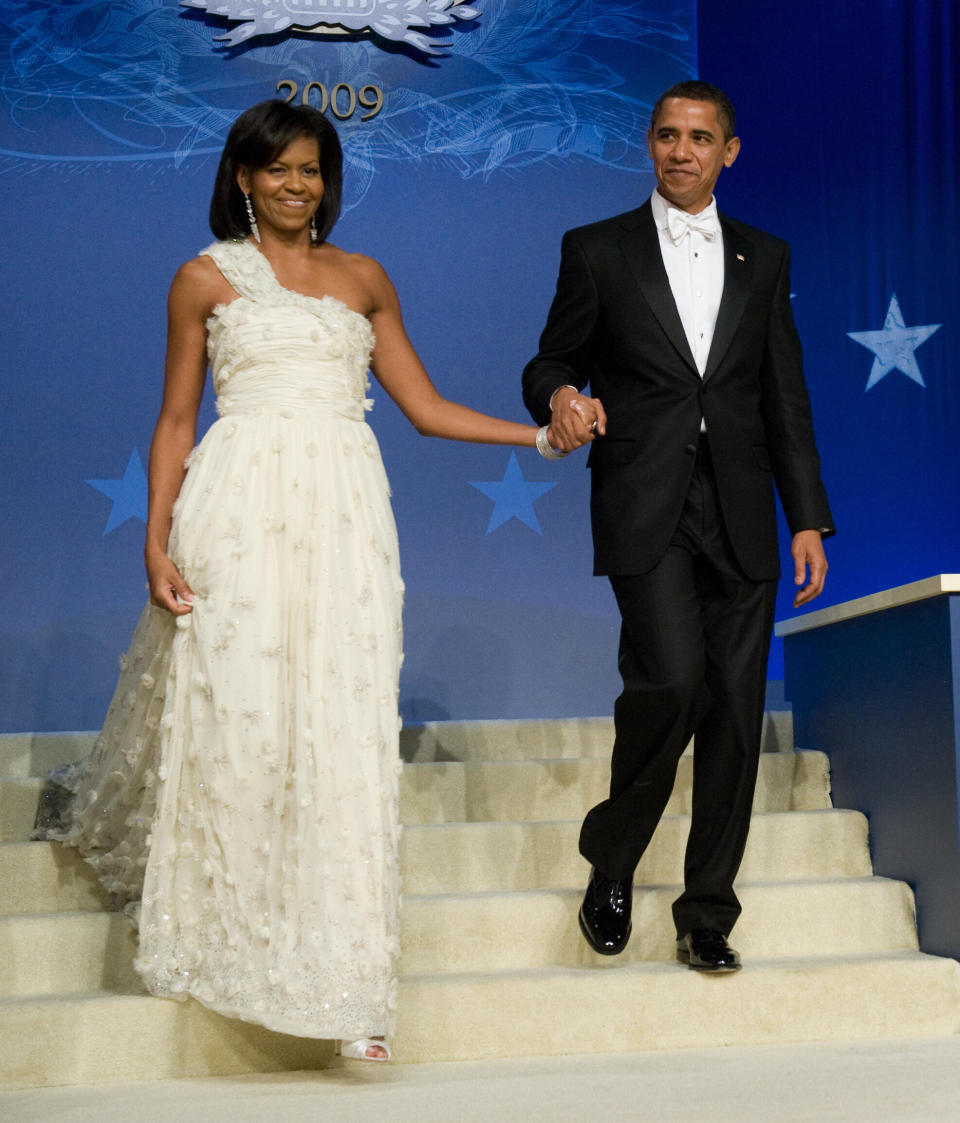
x,y
706,949
605,913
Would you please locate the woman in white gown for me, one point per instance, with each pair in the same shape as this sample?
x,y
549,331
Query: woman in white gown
x,y
244,787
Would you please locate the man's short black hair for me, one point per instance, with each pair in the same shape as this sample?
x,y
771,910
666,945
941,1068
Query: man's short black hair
x,y
695,90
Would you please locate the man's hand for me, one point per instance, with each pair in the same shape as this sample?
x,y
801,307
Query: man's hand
x,y
575,419
807,550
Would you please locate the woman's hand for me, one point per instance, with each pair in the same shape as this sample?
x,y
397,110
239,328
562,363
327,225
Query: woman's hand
x,y
167,587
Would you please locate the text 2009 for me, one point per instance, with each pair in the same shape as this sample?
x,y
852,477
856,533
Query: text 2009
x,y
342,101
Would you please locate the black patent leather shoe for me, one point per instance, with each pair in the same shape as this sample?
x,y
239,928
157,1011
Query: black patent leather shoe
x,y
706,949
605,913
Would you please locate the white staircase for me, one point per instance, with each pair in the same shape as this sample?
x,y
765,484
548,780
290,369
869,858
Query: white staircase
x,y
493,963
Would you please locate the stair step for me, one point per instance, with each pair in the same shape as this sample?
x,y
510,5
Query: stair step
x,y
555,1011
18,807
478,791
543,740
57,953
547,1012
453,933
46,877
564,738
67,952
34,754
108,1038
496,857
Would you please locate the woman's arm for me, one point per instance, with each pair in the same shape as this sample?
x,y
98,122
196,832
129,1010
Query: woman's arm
x,y
192,296
400,372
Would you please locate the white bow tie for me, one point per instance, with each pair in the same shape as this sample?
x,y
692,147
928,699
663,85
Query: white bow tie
x,y
679,224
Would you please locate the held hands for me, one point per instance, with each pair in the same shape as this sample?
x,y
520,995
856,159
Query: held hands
x,y
807,550
167,587
575,419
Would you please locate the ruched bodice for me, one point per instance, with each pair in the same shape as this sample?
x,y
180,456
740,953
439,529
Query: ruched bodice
x,y
272,349
245,784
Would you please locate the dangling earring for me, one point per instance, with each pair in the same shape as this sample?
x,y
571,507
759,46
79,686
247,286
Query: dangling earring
x,y
313,228
254,229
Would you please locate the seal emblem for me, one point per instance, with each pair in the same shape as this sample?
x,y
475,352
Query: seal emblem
x,y
390,19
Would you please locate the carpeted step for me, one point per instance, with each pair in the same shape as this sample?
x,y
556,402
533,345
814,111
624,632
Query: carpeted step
x,y
493,857
67,952
496,857
452,933
34,754
562,738
97,1038
554,1011
478,791
46,877
18,807
108,1038
543,740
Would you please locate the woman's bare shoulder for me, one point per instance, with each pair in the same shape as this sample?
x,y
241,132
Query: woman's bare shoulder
x,y
198,283
362,276
199,272
358,265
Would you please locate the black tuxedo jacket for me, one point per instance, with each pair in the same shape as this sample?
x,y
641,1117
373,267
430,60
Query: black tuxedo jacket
x,y
614,324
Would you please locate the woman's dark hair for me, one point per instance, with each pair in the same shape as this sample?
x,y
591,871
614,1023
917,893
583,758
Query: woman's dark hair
x,y
257,138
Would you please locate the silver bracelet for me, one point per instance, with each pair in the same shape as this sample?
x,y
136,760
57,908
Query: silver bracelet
x,y
546,450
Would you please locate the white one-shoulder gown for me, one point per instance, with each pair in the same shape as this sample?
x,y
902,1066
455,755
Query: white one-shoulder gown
x,y
244,786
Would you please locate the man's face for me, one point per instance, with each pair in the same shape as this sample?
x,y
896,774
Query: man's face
x,y
688,152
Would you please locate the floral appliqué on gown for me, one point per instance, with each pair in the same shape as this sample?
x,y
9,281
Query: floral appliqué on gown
x,y
244,788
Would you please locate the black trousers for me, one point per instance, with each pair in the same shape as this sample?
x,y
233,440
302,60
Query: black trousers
x,y
694,642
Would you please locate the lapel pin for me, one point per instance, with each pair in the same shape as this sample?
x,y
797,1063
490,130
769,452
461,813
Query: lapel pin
x,y
740,257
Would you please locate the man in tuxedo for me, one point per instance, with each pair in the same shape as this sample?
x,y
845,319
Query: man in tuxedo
x,y
679,319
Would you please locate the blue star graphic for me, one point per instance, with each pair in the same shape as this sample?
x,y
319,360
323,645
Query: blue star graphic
x,y
129,494
893,346
513,497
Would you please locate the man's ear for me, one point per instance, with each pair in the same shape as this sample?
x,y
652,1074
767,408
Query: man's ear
x,y
732,151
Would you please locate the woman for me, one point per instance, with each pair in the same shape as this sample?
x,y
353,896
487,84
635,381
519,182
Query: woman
x,y
244,787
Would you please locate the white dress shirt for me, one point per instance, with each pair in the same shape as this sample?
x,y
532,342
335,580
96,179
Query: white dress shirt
x,y
694,265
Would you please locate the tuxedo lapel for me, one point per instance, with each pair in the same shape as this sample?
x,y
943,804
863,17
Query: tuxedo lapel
x,y
737,276
640,246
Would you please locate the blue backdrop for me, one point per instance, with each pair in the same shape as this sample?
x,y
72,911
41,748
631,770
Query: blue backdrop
x,y
851,137
531,120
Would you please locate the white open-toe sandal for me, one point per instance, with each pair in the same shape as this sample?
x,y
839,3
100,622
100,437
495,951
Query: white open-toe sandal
x,y
357,1050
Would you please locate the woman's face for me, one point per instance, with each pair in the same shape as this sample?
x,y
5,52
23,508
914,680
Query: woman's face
x,y
287,192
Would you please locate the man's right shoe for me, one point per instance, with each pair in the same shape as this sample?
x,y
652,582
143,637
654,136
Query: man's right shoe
x,y
605,913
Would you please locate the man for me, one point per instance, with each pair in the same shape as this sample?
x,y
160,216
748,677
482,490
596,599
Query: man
x,y
680,321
